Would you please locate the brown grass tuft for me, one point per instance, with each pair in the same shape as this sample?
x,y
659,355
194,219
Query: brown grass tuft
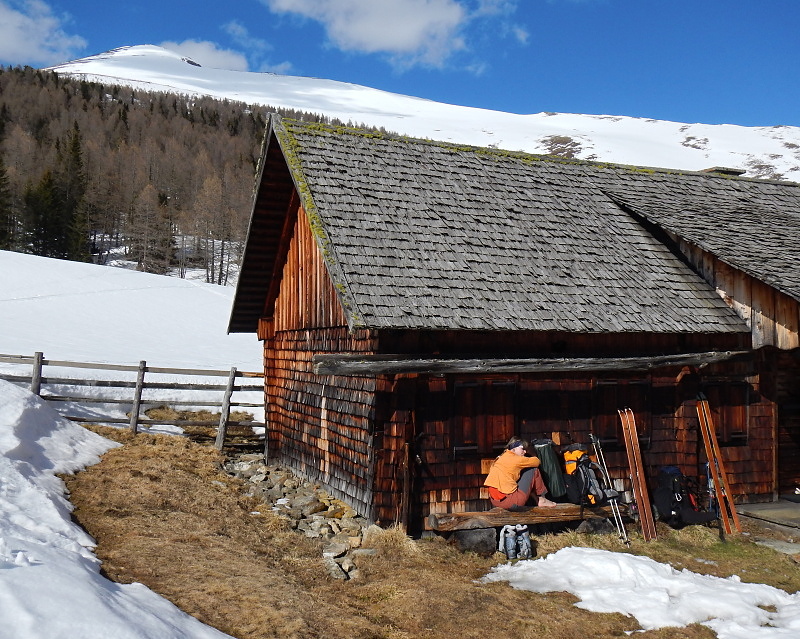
x,y
172,414
164,514
391,541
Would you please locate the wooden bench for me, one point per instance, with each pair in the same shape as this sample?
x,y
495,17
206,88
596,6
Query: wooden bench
x,y
446,522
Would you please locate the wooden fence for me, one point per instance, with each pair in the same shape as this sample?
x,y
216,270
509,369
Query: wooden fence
x,y
212,394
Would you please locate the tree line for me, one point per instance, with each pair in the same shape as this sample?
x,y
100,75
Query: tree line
x,y
87,168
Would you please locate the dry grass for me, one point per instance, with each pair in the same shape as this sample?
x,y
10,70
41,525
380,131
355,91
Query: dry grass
x,y
164,514
170,413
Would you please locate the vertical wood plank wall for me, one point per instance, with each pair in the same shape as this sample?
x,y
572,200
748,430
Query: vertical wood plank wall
x,y
774,320
395,422
773,317
319,425
787,366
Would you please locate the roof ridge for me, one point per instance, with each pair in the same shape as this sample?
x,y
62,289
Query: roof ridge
x,y
525,156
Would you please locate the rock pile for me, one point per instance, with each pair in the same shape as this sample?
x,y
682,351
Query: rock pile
x,y
309,509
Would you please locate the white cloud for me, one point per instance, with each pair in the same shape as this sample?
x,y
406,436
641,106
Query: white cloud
x,y
256,48
496,7
242,37
411,31
208,54
31,34
520,34
282,68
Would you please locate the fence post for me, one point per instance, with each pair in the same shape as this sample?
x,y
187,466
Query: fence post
x,y
225,411
137,397
36,373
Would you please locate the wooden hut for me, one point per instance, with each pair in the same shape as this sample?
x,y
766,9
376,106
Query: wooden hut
x,y
420,302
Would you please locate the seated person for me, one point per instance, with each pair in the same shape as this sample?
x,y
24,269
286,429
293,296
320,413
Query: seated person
x,y
513,477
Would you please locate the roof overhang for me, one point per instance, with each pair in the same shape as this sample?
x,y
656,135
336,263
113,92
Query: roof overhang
x,y
407,364
261,259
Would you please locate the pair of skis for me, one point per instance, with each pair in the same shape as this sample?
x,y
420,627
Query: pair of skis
x,y
638,479
718,487
718,479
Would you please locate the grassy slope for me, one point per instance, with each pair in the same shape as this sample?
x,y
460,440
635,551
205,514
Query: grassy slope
x,y
164,514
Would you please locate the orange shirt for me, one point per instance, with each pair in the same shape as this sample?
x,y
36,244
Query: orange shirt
x,y
506,469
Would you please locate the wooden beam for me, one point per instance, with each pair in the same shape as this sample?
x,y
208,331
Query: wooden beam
x,y
446,522
357,364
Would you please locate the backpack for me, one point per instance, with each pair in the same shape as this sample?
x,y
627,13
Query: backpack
x,y
675,499
550,468
581,478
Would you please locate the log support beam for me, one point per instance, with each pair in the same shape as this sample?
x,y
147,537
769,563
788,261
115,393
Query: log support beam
x,y
359,364
446,522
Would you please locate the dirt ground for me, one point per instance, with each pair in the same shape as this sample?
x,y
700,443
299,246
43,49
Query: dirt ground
x,y
163,513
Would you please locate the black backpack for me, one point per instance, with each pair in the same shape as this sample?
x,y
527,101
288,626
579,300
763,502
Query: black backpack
x,y
582,484
675,499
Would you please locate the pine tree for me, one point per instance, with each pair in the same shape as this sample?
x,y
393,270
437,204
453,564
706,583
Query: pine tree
x,y
44,233
6,211
71,187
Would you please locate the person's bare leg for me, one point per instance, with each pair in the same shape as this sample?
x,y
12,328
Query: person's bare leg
x,y
540,489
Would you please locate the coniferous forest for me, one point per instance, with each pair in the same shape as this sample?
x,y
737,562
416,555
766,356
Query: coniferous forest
x,y
86,168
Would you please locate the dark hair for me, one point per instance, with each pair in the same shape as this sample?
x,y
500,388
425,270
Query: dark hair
x,y
516,441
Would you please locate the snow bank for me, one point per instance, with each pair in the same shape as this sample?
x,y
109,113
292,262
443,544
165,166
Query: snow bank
x,y
50,582
656,594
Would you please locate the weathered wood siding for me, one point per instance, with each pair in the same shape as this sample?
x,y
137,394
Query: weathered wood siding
x,y
787,390
774,320
395,466
568,408
306,298
322,426
773,317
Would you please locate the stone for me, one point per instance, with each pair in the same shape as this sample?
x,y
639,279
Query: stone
x,y
334,569
481,541
335,550
350,524
360,553
342,538
354,542
596,526
312,508
336,511
309,510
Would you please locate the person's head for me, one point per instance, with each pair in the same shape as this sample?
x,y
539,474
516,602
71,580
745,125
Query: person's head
x,y
517,445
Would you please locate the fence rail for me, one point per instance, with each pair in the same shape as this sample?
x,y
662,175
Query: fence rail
x,y
43,386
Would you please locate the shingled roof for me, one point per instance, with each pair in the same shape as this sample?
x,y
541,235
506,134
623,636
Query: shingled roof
x,y
427,235
751,225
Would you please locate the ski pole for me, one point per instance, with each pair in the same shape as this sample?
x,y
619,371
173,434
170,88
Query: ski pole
x,y
598,451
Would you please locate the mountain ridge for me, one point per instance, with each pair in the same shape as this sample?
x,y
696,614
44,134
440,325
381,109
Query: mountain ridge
x,y
763,152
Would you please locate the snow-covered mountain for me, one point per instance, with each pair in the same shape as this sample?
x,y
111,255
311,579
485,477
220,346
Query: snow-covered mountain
x,y
769,152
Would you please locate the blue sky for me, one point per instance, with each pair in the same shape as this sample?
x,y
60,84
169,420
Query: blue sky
x,y
709,61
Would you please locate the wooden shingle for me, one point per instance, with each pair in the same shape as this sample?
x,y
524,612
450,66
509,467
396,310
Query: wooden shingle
x,y
429,235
